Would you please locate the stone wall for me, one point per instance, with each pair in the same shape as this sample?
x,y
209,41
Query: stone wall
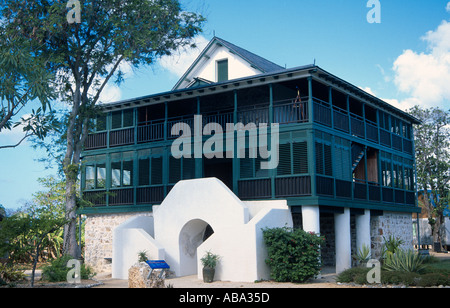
x,y
99,238
398,225
99,235
391,223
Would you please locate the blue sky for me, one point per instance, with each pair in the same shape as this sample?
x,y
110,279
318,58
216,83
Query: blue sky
x,y
404,60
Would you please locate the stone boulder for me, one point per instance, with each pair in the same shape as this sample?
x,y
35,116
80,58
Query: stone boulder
x,y
137,278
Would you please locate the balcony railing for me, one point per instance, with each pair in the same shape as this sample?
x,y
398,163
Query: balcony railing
x,y
284,112
151,131
363,191
287,111
358,126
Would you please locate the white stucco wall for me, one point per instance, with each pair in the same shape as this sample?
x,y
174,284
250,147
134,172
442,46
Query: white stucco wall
x,y
130,238
207,66
179,227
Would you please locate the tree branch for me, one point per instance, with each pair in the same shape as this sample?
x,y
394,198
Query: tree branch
x,y
16,145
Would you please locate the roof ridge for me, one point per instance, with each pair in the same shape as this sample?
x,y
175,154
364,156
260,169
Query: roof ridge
x,y
259,62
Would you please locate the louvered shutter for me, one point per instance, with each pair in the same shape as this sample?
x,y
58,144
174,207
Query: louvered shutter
x,y
284,166
246,168
319,158
188,168
156,170
174,170
300,157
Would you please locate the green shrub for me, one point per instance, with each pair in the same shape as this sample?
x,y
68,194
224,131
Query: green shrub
x,y
10,274
404,260
399,277
57,270
293,254
441,267
353,274
433,279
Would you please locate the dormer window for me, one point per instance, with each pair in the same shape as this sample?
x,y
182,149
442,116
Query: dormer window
x,y
222,70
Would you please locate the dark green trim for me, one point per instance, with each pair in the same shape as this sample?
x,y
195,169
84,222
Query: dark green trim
x,y
352,204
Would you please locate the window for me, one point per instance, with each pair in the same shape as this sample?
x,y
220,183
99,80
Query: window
x,y
384,120
222,70
181,169
342,154
156,172
285,159
100,123
409,178
323,159
386,172
293,158
90,177
94,172
122,119
122,170
174,170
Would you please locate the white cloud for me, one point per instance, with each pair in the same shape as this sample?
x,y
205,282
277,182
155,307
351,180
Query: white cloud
x,y
425,76
368,90
448,7
181,60
112,93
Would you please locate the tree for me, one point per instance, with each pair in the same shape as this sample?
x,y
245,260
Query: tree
x,y
23,79
87,55
24,233
432,144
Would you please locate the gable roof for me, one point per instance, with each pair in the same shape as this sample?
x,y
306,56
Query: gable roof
x,y
264,65
257,62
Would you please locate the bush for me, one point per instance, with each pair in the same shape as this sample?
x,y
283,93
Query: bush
x,y
353,274
406,261
57,270
10,274
293,254
399,277
434,279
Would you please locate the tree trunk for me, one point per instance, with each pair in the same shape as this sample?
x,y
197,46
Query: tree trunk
x,y
71,246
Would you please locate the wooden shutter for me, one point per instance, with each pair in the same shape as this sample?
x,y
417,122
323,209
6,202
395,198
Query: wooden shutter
x,y
174,170
319,158
284,166
157,171
222,70
300,157
116,120
246,168
188,168
144,172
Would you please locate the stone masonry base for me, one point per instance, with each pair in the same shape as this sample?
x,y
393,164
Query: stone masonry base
x,y
99,235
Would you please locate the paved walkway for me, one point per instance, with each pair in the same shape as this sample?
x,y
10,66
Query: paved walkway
x,y
327,280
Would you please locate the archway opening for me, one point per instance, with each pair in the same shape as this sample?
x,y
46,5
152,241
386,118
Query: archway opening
x,y
192,235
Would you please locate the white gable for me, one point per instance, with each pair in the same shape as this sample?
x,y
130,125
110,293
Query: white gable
x,y
205,67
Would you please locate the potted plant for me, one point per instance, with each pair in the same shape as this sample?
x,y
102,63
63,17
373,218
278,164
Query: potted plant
x,y
209,262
